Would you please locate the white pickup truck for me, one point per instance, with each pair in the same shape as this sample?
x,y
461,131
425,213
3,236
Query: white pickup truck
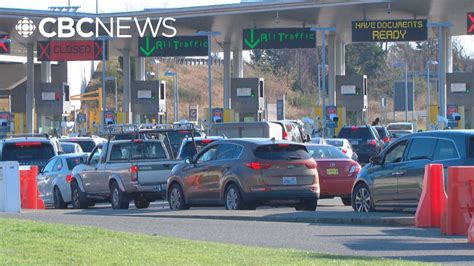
x,y
121,171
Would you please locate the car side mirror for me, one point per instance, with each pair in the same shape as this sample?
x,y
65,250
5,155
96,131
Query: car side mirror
x,y
376,160
189,160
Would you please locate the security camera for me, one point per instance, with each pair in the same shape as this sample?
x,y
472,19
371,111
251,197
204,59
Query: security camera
x,y
334,117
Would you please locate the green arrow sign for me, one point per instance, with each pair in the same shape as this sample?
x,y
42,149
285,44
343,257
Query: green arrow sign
x,y
176,46
278,38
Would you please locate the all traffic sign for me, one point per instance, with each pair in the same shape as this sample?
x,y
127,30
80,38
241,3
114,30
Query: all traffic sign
x,y
176,46
70,50
278,38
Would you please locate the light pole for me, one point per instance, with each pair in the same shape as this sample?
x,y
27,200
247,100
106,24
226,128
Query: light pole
x,y
176,94
428,91
209,35
323,31
404,65
157,62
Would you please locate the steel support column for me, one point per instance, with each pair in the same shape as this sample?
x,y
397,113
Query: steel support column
x,y
340,58
46,72
126,109
237,64
30,83
140,68
227,74
332,68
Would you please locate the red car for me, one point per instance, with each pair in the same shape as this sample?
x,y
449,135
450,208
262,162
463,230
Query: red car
x,y
336,170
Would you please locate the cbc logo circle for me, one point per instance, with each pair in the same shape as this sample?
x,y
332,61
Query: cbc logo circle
x,y
25,27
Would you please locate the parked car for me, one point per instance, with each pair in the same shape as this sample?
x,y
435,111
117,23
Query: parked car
x,y
293,131
120,171
30,150
384,134
401,126
70,147
87,143
54,180
246,173
336,171
344,146
394,178
364,140
189,148
248,130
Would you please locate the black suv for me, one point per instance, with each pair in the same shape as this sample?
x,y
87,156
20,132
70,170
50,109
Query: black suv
x,y
364,139
34,150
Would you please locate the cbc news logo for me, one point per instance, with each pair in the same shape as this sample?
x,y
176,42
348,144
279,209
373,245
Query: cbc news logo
x,y
25,27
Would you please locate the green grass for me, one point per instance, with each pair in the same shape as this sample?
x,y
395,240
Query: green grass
x,y
27,242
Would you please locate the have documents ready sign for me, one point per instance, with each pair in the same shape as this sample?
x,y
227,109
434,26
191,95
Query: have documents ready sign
x,y
390,30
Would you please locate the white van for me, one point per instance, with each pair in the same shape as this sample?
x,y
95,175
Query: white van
x,y
248,130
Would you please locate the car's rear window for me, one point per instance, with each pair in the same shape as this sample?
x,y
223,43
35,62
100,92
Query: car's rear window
x,y
382,132
326,152
27,151
282,151
399,127
359,133
68,147
188,149
86,145
142,150
335,142
72,162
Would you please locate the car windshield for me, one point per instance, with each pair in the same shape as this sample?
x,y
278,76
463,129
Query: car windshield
x,y
325,152
72,162
335,142
188,149
27,151
399,127
359,133
282,151
86,145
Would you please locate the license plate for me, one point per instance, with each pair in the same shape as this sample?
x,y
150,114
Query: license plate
x,y
289,180
354,142
332,171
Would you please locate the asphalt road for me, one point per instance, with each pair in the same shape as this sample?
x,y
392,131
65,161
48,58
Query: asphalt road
x,y
390,242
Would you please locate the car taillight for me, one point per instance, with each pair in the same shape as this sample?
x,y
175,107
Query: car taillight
x,y
134,173
69,178
137,141
386,139
258,165
311,164
344,150
285,135
206,141
354,170
372,142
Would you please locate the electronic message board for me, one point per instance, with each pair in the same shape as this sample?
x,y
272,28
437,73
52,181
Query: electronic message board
x,y
175,46
470,23
278,38
389,30
4,44
70,50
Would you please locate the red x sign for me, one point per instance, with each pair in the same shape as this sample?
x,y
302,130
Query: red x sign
x,y
73,50
4,44
470,23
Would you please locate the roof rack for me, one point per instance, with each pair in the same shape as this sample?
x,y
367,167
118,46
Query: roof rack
x,y
119,129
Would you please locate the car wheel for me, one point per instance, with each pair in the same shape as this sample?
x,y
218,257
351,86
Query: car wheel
x,y
307,205
78,201
176,198
58,199
362,199
347,201
119,199
233,198
141,202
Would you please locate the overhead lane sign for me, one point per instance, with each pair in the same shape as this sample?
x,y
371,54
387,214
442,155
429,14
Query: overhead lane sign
x,y
278,38
470,23
390,30
70,50
175,46
4,44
